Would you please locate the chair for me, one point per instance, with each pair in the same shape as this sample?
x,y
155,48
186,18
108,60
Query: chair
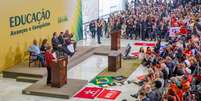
x,y
33,59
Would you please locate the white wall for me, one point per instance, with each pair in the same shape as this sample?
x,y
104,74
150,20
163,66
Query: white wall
x,y
109,6
90,9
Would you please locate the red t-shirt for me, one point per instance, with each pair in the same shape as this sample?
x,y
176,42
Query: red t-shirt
x,y
48,58
177,91
188,52
174,22
183,31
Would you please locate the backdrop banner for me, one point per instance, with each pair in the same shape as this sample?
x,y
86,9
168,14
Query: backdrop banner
x,y
22,21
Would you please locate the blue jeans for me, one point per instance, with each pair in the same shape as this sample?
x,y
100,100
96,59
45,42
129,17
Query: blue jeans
x,y
41,59
99,36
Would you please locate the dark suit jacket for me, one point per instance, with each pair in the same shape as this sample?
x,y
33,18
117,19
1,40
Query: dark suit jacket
x,y
61,39
55,43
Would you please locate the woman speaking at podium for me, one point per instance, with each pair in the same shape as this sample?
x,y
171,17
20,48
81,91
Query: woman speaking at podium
x,y
49,58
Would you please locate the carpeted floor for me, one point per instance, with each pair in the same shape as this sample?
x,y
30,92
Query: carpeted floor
x,y
128,66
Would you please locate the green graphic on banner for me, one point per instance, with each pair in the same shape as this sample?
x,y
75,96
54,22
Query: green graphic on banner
x,y
80,23
102,80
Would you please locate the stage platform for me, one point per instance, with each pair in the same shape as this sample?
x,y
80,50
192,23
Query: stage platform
x,y
22,70
37,75
41,89
81,54
104,50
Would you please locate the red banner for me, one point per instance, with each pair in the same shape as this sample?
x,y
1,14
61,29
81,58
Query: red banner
x,y
144,44
89,92
135,53
109,94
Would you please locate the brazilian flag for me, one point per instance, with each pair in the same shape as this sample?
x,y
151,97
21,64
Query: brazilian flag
x,y
102,80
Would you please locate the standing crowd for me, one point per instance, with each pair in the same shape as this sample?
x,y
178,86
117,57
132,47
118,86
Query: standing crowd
x,y
149,20
174,69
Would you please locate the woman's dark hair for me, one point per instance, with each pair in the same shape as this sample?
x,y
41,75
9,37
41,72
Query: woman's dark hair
x,y
44,41
142,93
55,33
98,20
141,49
158,84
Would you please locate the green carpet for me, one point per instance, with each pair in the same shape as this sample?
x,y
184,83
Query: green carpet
x,y
128,67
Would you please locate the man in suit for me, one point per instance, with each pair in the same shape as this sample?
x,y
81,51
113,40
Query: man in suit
x,y
55,42
57,46
61,38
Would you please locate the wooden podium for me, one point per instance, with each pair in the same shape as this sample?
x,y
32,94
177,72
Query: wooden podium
x,y
115,40
114,61
59,72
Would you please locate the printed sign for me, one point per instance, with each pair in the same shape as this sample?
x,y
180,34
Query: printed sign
x,y
173,31
144,44
109,94
89,92
135,54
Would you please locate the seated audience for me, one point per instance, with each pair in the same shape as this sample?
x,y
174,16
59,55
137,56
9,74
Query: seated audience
x,y
61,38
44,46
68,39
35,50
127,51
141,54
143,97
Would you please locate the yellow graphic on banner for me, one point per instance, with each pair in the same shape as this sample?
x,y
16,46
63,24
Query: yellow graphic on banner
x,y
22,21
